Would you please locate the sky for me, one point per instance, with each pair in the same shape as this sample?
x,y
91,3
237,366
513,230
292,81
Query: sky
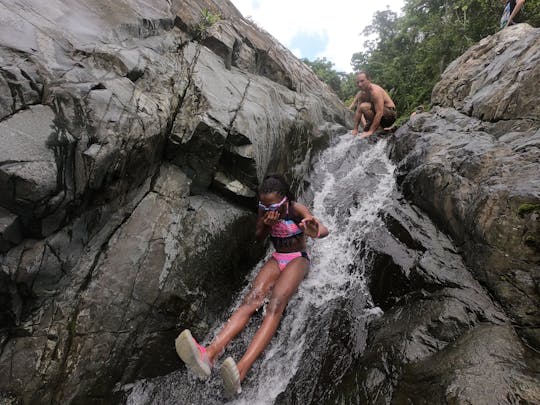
x,y
317,28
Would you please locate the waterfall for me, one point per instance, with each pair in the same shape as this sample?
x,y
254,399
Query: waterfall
x,y
351,181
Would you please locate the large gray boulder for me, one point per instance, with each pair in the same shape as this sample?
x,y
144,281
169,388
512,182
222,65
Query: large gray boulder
x,y
478,179
440,330
495,79
133,136
455,264
463,329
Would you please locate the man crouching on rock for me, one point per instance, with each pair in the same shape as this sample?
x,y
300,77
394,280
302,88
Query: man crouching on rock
x,y
377,108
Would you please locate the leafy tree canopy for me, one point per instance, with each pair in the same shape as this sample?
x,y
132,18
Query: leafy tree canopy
x,y
411,51
343,84
406,54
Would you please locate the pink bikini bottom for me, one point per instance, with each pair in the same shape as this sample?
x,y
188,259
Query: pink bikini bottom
x,y
283,259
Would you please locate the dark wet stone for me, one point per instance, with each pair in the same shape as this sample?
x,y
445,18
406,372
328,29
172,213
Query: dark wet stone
x,y
131,152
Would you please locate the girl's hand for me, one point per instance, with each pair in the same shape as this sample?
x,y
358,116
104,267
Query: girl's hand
x,y
271,218
310,226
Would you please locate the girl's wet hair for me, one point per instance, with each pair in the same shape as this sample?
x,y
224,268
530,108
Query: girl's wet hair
x,y
274,183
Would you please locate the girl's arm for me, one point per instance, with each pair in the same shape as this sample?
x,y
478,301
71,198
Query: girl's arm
x,y
265,220
310,225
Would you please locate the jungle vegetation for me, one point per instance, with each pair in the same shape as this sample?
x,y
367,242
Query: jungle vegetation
x,y
407,53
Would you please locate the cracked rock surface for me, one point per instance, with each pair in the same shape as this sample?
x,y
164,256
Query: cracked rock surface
x,y
133,136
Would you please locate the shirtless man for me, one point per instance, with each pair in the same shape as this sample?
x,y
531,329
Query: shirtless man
x,y
376,108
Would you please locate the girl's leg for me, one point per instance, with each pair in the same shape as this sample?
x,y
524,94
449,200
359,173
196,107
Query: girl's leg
x,y
286,285
263,283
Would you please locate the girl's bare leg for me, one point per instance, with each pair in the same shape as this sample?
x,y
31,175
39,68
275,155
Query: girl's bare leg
x,y
284,288
263,283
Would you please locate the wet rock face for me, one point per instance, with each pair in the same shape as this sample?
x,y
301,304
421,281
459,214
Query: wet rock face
x,y
496,79
481,188
502,376
474,169
133,136
440,329
454,309
332,349
455,262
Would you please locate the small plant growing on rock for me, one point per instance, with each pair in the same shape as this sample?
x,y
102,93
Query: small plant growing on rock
x,y
527,208
208,18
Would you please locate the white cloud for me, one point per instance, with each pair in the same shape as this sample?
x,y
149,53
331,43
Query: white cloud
x,y
297,52
342,21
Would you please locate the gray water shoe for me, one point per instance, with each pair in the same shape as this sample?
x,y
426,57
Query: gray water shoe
x,y
231,377
193,354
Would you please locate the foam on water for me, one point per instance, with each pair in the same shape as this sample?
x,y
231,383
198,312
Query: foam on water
x,y
332,257
352,181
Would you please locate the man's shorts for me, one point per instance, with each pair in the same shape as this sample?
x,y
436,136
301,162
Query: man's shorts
x,y
389,117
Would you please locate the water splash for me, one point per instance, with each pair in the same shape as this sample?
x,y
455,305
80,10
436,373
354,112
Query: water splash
x,y
352,180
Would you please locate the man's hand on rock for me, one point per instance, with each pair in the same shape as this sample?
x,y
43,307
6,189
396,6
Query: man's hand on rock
x,y
366,134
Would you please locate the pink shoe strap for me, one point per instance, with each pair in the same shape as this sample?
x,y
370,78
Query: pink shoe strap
x,y
202,349
204,356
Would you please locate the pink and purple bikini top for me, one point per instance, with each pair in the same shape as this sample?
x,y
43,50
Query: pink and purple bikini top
x,y
285,230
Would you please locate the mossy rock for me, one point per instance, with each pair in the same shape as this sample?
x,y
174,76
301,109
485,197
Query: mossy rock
x,y
532,241
528,208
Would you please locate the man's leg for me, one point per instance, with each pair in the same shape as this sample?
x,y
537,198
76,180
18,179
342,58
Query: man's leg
x,y
367,112
388,118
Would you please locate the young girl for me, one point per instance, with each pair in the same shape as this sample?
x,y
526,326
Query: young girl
x,y
287,222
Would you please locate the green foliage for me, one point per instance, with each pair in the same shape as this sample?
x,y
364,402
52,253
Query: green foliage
x,y
528,208
343,84
407,54
323,68
531,12
207,19
411,51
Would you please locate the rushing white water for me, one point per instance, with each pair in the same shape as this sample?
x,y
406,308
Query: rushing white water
x,y
351,181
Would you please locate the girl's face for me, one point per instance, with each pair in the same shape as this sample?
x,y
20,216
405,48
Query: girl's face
x,y
272,202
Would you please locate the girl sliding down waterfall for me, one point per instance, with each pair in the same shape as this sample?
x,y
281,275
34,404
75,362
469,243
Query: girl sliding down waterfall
x,y
288,223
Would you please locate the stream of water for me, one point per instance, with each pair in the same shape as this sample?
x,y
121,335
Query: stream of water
x,y
351,181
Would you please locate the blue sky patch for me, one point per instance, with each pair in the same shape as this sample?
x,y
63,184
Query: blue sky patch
x,y
309,44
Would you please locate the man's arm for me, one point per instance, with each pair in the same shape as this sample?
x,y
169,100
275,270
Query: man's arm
x,y
358,116
519,5
355,101
357,119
